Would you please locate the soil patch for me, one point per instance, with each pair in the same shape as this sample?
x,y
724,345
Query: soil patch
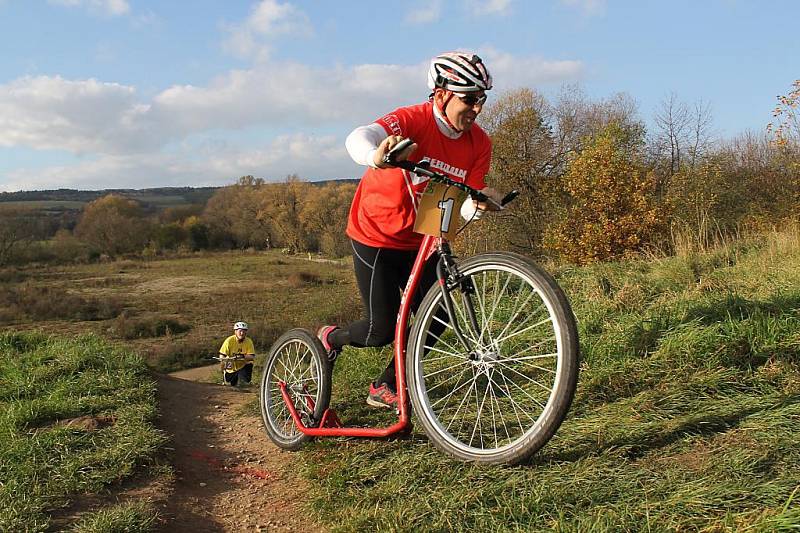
x,y
229,476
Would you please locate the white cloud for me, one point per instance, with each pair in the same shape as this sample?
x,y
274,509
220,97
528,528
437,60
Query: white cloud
x,y
489,7
426,13
268,20
109,7
509,71
310,157
89,116
587,7
125,140
80,116
288,93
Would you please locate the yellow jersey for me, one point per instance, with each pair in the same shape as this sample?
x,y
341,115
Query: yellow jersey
x,y
231,347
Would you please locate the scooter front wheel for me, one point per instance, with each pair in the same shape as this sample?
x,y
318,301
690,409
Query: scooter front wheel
x,y
503,396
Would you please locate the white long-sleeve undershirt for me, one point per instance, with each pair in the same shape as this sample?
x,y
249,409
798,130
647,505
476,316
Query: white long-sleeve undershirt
x,y
363,141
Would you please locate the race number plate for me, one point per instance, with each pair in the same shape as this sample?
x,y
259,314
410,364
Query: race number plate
x,y
438,210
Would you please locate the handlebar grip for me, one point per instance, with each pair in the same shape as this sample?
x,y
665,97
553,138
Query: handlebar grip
x,y
391,156
479,196
509,197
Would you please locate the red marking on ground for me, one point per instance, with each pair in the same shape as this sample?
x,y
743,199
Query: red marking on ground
x,y
239,469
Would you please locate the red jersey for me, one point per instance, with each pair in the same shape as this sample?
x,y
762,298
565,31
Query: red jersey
x,y
385,204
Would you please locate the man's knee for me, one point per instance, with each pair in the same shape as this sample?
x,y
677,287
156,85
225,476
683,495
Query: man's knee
x,y
379,338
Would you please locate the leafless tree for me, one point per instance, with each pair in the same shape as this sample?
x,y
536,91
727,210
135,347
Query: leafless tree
x,y
673,123
683,135
701,133
14,230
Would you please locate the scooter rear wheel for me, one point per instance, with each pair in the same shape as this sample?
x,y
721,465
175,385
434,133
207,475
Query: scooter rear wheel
x,y
297,359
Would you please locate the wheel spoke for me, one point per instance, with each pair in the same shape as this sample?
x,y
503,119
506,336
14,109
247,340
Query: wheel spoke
x,y
520,332
456,389
478,414
460,405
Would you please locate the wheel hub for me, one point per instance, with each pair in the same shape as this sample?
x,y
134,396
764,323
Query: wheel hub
x,y
484,359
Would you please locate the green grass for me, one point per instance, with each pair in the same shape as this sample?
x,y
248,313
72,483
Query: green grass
x,y
131,517
45,463
687,415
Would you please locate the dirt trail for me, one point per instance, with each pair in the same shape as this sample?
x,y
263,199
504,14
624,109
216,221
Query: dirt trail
x,y
229,476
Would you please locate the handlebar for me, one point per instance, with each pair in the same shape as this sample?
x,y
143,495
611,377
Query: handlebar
x,y
222,358
422,168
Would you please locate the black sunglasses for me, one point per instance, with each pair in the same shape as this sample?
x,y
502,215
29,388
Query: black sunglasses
x,y
471,100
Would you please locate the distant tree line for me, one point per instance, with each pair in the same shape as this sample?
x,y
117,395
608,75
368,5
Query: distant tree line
x,y
596,185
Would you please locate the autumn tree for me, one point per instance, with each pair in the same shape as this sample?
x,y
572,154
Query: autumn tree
x,y
525,157
324,215
578,120
786,127
282,208
232,215
113,225
612,209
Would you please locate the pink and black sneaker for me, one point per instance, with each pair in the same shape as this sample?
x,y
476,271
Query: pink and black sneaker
x,y
382,396
322,334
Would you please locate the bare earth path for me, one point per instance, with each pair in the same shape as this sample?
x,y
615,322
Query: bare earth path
x,y
229,476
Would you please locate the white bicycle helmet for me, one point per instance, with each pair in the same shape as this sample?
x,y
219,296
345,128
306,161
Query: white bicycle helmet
x,y
240,325
459,72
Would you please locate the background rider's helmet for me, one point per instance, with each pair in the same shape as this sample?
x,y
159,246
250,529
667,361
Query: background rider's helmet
x,y
240,325
459,72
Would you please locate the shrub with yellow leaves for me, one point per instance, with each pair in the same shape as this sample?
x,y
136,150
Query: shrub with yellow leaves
x,y
612,207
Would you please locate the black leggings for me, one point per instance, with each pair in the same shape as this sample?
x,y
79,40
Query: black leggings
x,y
382,274
245,373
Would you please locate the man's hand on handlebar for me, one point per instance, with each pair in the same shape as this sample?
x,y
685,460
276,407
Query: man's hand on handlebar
x,y
386,146
494,203
394,151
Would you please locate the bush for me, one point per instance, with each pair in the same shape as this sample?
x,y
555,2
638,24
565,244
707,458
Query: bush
x,y
66,248
154,326
169,357
613,210
301,279
48,303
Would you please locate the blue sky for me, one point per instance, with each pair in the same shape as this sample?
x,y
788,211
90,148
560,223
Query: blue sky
x,y
101,94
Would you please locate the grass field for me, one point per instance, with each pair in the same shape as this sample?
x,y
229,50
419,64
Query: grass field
x,y
686,416
77,419
177,312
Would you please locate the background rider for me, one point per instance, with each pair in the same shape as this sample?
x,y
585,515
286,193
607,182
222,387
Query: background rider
x,y
238,344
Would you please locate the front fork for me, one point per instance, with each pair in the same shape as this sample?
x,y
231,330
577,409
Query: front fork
x,y
450,278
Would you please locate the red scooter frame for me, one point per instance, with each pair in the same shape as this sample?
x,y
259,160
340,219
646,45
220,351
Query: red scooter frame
x,y
330,426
